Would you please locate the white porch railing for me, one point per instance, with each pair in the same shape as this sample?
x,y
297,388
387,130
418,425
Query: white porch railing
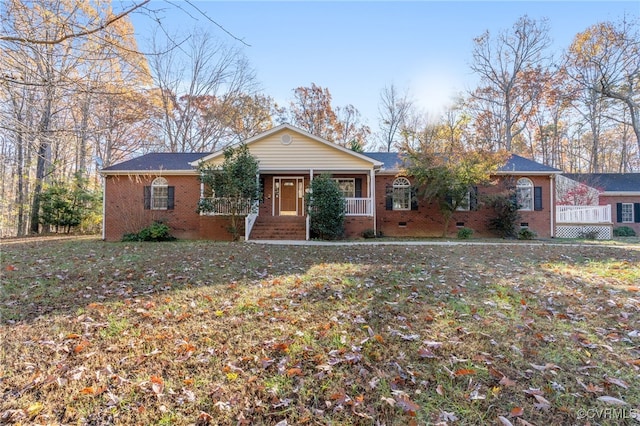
x,y
583,214
250,220
358,207
224,206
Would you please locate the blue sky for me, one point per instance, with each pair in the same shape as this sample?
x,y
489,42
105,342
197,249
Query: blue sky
x,y
356,48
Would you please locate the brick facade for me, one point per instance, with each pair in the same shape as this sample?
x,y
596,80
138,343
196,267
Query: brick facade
x,y
125,207
427,220
125,212
613,200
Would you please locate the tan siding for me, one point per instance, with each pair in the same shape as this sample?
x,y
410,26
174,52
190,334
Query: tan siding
x,y
301,153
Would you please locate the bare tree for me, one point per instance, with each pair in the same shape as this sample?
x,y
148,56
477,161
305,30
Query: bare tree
x,y
353,133
198,83
505,65
606,60
393,111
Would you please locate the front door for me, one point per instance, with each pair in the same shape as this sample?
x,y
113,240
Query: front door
x,y
288,197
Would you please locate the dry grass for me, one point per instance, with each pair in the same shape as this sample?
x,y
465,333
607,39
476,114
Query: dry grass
x,y
211,333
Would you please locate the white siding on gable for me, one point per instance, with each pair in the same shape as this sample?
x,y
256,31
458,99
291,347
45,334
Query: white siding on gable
x,y
300,152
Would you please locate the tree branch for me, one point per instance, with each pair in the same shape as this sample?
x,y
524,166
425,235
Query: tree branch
x,y
78,34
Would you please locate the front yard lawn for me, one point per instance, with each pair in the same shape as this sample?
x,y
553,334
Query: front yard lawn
x,y
230,334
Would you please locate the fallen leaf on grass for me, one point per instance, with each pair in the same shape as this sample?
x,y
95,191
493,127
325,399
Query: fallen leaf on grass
x,y
542,404
157,385
81,346
34,409
591,388
447,416
90,390
611,400
507,382
204,418
618,382
294,372
516,412
390,401
407,405
464,372
504,421
547,366
426,353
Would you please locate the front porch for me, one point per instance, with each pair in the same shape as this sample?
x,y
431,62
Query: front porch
x,y
591,222
358,212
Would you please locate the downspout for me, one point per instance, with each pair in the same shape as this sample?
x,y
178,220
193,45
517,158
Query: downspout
x,y
372,192
552,206
104,207
307,220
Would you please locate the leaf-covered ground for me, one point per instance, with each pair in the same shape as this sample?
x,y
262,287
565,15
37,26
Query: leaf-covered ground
x,y
230,334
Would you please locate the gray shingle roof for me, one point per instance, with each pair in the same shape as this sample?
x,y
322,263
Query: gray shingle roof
x,y
168,161
515,163
610,182
389,160
173,161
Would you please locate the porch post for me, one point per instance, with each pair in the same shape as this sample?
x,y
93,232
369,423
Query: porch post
x,y
372,194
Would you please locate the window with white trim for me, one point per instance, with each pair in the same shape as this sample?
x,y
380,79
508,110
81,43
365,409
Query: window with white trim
x,y
401,194
159,194
465,205
524,194
627,213
347,186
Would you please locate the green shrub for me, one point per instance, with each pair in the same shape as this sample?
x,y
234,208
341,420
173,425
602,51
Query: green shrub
x,y
369,233
326,208
526,234
465,233
506,216
156,232
624,231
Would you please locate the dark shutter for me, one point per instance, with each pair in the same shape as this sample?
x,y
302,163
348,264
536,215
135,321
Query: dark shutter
x,y
449,200
389,197
619,212
414,199
171,191
537,198
473,198
147,197
636,212
358,185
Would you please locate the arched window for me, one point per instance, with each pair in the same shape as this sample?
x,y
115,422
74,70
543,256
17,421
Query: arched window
x,y
159,194
401,194
524,194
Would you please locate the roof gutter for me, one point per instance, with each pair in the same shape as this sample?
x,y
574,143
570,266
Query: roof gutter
x,y
149,172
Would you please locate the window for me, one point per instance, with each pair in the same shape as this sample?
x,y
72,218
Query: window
x,y
401,194
159,194
627,213
466,203
347,187
524,194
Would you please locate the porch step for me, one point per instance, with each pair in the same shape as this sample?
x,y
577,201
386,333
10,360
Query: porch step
x,y
279,228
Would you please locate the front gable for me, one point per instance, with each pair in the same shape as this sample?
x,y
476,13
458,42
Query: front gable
x,y
286,148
